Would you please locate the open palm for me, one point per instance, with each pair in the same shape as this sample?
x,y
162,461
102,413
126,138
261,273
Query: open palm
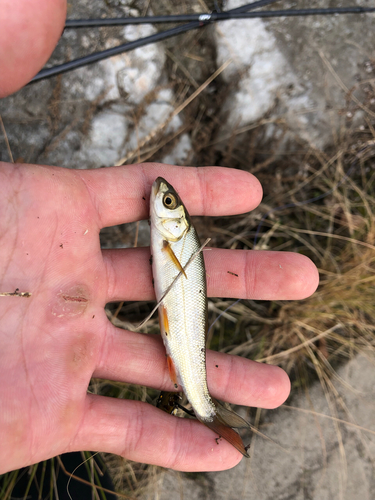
x,y
53,342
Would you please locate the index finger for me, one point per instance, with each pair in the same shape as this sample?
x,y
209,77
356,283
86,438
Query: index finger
x,y
121,194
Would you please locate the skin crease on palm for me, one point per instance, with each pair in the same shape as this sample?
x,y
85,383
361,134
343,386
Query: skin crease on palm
x,y
52,343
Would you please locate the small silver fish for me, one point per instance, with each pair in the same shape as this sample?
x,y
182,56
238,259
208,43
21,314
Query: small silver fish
x,y
183,312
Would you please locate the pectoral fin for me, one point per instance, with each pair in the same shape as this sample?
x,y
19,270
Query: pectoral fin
x,y
167,248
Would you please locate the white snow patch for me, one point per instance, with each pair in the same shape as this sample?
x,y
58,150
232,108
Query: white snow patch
x,y
157,114
256,57
180,152
265,77
131,75
114,135
104,145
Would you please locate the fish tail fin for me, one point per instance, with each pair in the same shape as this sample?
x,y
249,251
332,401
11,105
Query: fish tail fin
x,y
222,424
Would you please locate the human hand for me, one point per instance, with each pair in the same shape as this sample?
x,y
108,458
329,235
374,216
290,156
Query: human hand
x,y
29,32
52,343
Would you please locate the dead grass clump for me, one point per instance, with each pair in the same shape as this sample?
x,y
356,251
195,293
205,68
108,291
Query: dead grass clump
x,y
335,226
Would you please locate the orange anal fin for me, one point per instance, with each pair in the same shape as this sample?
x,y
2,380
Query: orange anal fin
x,y
167,248
228,434
164,328
172,371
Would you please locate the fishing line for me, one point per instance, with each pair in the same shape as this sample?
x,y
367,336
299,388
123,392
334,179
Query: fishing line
x,y
71,475
221,314
88,483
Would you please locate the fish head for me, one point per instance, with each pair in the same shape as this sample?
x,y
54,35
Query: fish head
x,y
168,214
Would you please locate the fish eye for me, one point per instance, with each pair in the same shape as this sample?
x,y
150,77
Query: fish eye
x,y
170,201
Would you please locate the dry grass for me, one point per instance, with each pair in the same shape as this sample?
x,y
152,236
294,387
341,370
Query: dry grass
x,y
338,233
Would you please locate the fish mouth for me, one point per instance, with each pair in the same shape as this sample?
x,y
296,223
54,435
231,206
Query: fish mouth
x,y
156,185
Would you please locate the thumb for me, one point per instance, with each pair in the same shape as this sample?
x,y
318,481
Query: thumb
x,y
29,32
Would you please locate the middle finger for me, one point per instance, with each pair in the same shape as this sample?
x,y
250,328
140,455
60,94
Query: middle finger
x,y
245,274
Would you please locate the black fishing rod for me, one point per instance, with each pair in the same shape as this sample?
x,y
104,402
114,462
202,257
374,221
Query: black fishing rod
x,y
196,21
98,56
213,17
